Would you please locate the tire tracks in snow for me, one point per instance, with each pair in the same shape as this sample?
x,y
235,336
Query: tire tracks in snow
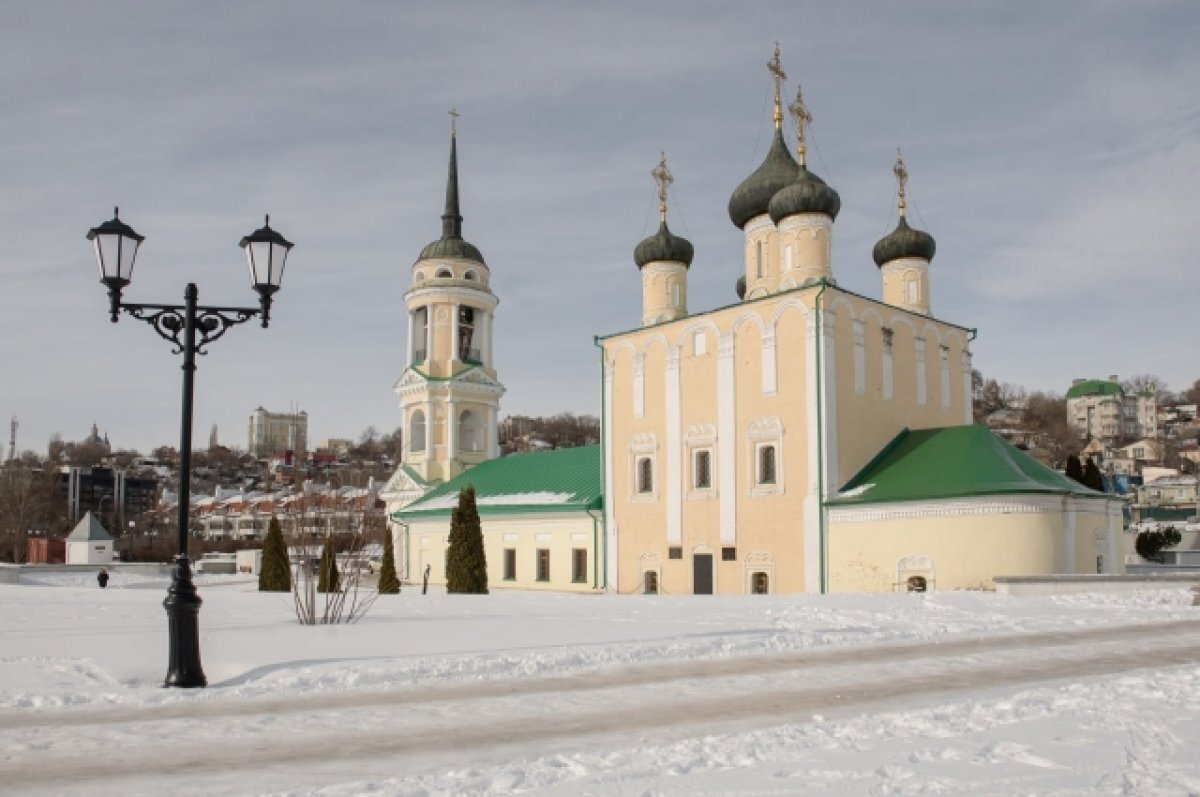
x,y
1017,660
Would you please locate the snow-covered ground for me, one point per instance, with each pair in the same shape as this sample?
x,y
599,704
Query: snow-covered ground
x,y
551,694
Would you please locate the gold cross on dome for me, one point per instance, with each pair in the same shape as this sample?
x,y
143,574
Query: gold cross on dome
x,y
775,67
454,114
662,176
901,179
803,119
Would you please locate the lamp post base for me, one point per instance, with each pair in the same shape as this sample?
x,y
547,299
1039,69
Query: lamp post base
x,y
183,609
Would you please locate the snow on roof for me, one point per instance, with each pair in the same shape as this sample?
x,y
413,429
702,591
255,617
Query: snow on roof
x,y
450,501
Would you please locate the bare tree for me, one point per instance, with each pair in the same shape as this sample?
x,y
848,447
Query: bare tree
x,y
28,501
1147,383
347,604
1045,418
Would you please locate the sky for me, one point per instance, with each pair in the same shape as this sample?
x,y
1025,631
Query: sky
x,y
1052,150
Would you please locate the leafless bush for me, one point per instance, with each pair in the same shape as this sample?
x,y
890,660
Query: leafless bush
x,y
349,602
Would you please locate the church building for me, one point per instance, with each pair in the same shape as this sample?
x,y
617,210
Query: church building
x,y
730,434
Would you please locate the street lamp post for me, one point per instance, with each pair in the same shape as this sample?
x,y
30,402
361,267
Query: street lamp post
x,y
189,328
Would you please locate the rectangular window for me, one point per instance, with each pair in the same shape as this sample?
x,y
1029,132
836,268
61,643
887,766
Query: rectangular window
x,y
729,554
675,552
543,564
510,564
645,475
766,464
759,261
702,469
579,565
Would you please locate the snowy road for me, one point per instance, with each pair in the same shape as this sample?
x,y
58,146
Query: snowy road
x,y
353,731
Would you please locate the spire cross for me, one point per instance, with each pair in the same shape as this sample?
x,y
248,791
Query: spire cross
x,y
663,177
775,67
901,180
803,119
454,114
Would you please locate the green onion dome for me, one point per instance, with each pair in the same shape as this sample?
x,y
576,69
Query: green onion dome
x,y
663,245
904,241
452,247
806,194
753,196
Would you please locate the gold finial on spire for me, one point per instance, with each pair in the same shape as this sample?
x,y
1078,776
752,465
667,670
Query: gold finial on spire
x,y
453,122
803,119
775,67
901,180
663,177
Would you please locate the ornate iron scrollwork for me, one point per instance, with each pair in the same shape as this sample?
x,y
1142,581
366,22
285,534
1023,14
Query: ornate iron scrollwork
x,y
170,322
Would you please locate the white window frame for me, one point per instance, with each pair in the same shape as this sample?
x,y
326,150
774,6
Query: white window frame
x,y
765,432
643,446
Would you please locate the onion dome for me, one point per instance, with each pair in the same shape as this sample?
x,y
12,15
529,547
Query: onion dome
x,y
741,287
451,244
753,196
663,245
807,194
904,241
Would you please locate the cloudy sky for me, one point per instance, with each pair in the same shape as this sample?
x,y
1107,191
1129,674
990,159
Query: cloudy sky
x,y
1053,148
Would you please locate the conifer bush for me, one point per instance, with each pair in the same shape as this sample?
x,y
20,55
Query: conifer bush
x,y
1075,469
327,578
389,584
466,563
275,572
1092,477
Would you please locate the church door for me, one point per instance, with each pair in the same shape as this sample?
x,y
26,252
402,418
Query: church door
x,y
702,574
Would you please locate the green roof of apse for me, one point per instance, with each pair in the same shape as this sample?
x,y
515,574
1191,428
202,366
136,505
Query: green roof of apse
x,y
1094,387
952,462
565,479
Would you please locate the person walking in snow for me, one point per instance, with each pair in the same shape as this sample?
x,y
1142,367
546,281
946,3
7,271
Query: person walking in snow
x,y
425,586
102,578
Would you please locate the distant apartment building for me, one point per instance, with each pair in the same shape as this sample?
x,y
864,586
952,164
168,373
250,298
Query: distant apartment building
x,y
112,495
274,433
1100,409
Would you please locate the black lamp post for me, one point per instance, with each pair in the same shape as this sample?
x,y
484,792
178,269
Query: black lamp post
x,y
189,328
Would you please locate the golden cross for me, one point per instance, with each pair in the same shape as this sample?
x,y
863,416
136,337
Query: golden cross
x,y
803,119
901,180
454,114
775,67
663,177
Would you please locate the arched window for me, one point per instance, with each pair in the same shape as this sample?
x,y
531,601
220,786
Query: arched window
x,y
758,261
914,293
445,274
417,433
674,293
470,431
470,275
645,475
420,276
917,584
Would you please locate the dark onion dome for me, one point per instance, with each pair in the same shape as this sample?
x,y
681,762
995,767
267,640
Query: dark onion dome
x,y
753,196
806,194
741,287
451,247
663,245
904,241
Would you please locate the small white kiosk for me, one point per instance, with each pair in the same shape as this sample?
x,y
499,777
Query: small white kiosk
x,y
89,543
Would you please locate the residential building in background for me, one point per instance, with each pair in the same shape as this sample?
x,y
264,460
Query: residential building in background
x,y
115,496
274,433
1100,409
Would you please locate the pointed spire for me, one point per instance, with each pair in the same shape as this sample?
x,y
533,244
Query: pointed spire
x,y
662,176
802,118
775,67
901,181
452,218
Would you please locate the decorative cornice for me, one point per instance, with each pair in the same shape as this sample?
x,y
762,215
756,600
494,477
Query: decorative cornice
x,y
984,505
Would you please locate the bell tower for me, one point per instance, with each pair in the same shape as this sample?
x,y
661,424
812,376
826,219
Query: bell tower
x,y
449,393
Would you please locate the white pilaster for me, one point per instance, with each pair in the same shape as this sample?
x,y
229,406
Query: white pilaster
x,y
829,403
726,441
610,520
860,357
452,429
674,486
493,436
1069,564
811,528
409,343
454,353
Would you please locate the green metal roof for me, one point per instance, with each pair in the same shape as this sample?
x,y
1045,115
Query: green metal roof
x,y
1094,387
565,479
952,462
